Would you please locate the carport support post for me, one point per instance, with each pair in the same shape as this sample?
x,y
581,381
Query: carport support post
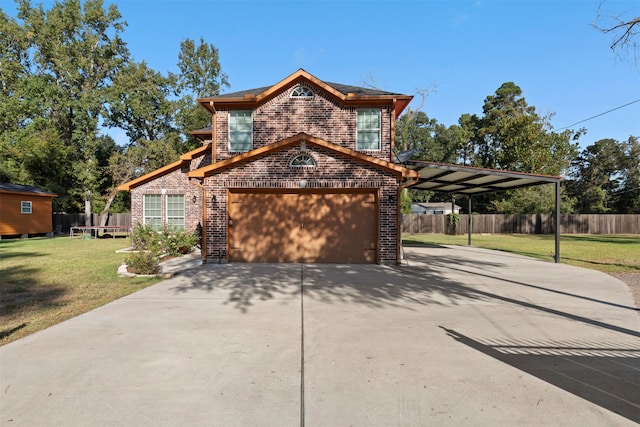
x,y
469,223
557,222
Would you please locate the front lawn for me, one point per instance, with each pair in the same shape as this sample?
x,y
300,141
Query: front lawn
x,y
44,281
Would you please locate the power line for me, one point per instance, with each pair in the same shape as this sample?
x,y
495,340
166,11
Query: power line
x,y
598,115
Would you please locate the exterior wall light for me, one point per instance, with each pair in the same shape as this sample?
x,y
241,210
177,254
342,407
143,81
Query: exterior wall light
x,y
195,199
213,199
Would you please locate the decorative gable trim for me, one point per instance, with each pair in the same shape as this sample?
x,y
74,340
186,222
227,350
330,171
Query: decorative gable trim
x,y
267,149
184,159
252,100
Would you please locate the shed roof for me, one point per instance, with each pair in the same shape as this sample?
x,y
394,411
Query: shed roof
x,y
6,187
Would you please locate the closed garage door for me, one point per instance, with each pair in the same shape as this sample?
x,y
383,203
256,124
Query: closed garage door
x,y
287,226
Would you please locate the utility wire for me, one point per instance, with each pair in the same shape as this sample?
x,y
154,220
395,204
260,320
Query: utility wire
x,y
598,115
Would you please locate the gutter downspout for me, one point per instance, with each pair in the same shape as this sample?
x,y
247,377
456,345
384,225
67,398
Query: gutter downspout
x,y
203,247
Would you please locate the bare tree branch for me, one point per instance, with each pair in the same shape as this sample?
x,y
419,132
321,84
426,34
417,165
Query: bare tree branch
x,y
625,31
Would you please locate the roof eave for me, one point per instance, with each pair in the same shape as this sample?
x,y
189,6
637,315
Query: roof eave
x,y
206,171
28,193
184,159
248,100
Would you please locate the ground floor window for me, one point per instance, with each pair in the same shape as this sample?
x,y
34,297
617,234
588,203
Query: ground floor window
x,y
166,210
153,210
175,211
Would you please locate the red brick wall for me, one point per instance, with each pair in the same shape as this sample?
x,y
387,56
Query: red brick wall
x,y
273,171
320,116
175,182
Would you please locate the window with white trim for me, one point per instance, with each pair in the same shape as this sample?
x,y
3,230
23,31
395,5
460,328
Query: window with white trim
x,y
368,129
26,207
153,210
240,131
175,211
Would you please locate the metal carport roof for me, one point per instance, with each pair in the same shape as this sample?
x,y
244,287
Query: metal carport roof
x,y
470,181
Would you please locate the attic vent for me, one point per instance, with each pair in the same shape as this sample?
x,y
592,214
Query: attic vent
x,y
301,91
302,160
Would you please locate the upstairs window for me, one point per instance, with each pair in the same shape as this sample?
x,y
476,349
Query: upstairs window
x,y
368,129
26,207
301,91
240,131
175,211
153,210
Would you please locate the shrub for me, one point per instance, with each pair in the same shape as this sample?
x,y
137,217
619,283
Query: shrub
x,y
178,242
164,241
144,238
454,219
143,263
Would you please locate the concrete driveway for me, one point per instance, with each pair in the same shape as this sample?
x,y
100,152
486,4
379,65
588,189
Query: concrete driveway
x,y
459,336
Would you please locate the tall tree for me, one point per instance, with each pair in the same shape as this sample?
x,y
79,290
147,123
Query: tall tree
x,y
200,76
512,136
77,45
627,199
31,150
200,71
141,102
596,176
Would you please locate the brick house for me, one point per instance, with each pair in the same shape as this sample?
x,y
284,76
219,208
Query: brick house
x,y
300,171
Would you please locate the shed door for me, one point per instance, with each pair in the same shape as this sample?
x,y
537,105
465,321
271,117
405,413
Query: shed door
x,y
302,227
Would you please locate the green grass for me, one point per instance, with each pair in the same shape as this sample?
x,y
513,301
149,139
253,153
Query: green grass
x,y
607,253
44,281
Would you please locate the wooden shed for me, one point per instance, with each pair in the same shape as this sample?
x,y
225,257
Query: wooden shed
x,y
25,210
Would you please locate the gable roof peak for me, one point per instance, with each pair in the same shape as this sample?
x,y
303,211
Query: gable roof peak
x,y
341,92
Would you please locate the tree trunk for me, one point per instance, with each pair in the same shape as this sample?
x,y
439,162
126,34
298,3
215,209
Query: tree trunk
x,y
104,215
87,209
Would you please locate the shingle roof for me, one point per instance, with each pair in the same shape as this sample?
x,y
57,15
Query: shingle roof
x,y
349,95
19,188
242,93
342,88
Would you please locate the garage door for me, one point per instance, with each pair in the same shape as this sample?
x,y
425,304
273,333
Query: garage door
x,y
301,226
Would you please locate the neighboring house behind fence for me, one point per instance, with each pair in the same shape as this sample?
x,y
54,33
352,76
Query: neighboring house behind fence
x,y
433,208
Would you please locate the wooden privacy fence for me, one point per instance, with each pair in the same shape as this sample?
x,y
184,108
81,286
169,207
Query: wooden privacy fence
x,y
425,223
62,222
525,224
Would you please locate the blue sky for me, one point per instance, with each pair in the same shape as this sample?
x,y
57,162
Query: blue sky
x,y
466,49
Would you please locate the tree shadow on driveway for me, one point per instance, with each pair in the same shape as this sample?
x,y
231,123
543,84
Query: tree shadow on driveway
x,y
604,373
